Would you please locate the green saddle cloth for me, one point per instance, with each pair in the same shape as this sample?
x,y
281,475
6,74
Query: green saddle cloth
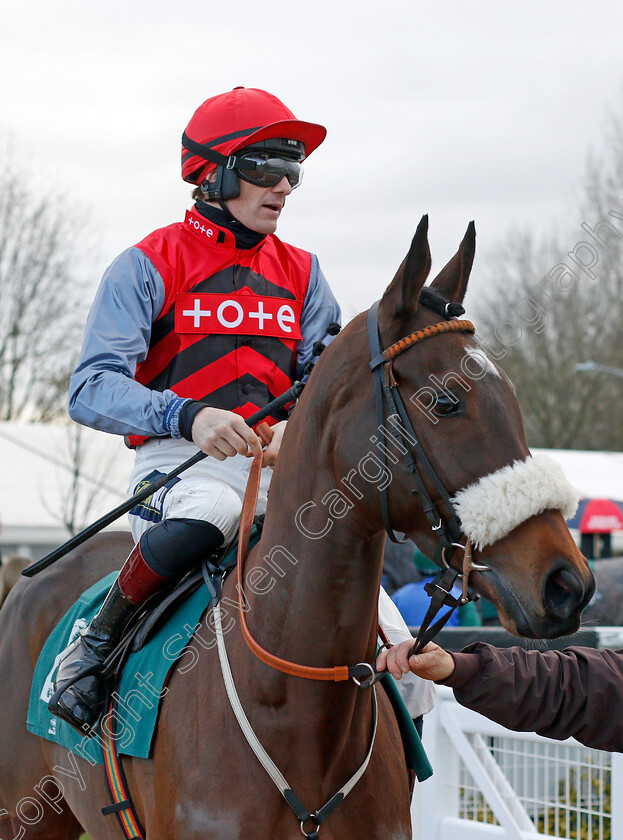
x,y
415,754
144,677
141,684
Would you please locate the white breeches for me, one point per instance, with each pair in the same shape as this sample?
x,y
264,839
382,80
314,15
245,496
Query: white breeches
x,y
210,490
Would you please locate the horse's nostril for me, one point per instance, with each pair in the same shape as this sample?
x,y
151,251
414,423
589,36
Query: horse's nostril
x,y
564,592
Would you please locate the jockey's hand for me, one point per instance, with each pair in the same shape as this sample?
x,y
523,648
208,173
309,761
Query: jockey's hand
x,y
433,663
272,450
222,434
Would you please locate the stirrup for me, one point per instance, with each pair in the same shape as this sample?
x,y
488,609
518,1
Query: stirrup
x,y
61,712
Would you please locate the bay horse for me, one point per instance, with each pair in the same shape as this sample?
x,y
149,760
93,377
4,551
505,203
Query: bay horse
x,y
10,572
324,526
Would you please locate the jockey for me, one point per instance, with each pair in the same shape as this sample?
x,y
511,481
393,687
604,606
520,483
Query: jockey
x,y
195,328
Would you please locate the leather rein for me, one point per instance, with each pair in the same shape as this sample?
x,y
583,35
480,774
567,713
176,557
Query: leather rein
x,y
362,673
309,821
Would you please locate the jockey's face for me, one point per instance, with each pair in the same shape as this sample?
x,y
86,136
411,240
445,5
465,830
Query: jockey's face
x,y
259,208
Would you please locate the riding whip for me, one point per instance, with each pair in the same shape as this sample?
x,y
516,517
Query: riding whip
x,y
291,394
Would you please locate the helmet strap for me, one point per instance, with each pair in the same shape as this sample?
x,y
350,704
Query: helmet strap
x,y
227,211
204,151
222,216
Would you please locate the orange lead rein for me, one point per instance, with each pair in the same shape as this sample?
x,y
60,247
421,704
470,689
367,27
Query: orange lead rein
x,y
338,673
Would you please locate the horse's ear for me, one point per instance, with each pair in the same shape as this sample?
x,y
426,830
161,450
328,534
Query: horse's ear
x,y
451,282
401,296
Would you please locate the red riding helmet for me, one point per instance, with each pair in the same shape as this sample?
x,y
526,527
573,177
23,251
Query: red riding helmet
x,y
239,118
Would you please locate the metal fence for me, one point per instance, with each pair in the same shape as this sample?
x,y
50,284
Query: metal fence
x,y
491,783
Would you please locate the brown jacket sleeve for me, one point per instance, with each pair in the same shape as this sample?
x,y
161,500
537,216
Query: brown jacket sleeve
x,y
577,692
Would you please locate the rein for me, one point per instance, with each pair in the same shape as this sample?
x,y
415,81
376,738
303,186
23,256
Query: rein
x,y
368,674
362,673
448,531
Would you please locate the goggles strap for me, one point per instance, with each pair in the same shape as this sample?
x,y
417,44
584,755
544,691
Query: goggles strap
x,y
205,152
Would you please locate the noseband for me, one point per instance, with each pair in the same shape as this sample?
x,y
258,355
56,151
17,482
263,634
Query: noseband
x,y
448,530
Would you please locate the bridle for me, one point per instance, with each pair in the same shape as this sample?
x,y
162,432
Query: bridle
x,y
403,434
448,530
448,534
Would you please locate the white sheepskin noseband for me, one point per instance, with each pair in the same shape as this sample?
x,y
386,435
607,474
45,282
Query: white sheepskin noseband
x,y
500,501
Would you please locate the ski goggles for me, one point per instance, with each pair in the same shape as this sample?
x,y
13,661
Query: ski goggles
x,y
265,170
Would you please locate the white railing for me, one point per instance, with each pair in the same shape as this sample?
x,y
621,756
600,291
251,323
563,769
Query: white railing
x,y
492,783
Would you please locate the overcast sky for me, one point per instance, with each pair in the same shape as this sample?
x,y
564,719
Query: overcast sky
x,y
480,110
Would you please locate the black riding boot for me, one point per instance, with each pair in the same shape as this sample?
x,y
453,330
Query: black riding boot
x,y
80,700
163,554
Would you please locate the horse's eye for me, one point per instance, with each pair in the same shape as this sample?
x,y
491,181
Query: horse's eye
x,y
447,405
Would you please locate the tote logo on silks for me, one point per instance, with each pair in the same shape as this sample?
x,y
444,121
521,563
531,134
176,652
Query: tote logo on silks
x,y
211,313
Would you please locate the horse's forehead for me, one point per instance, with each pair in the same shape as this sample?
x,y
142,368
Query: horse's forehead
x,y
473,360
482,359
486,364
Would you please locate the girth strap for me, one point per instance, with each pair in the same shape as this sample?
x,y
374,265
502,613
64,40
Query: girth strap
x,y
122,805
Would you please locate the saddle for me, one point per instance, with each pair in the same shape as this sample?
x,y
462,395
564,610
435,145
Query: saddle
x,y
161,606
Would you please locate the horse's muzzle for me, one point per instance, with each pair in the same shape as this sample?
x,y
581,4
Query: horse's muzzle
x,y
565,594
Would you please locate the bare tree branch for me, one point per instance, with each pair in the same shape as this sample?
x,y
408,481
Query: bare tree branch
x,y
89,469
41,298
578,320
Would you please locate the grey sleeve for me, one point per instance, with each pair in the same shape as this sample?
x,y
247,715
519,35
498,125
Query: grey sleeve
x,y
103,393
320,308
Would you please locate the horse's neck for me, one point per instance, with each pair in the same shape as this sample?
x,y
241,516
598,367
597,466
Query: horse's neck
x,y
322,593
